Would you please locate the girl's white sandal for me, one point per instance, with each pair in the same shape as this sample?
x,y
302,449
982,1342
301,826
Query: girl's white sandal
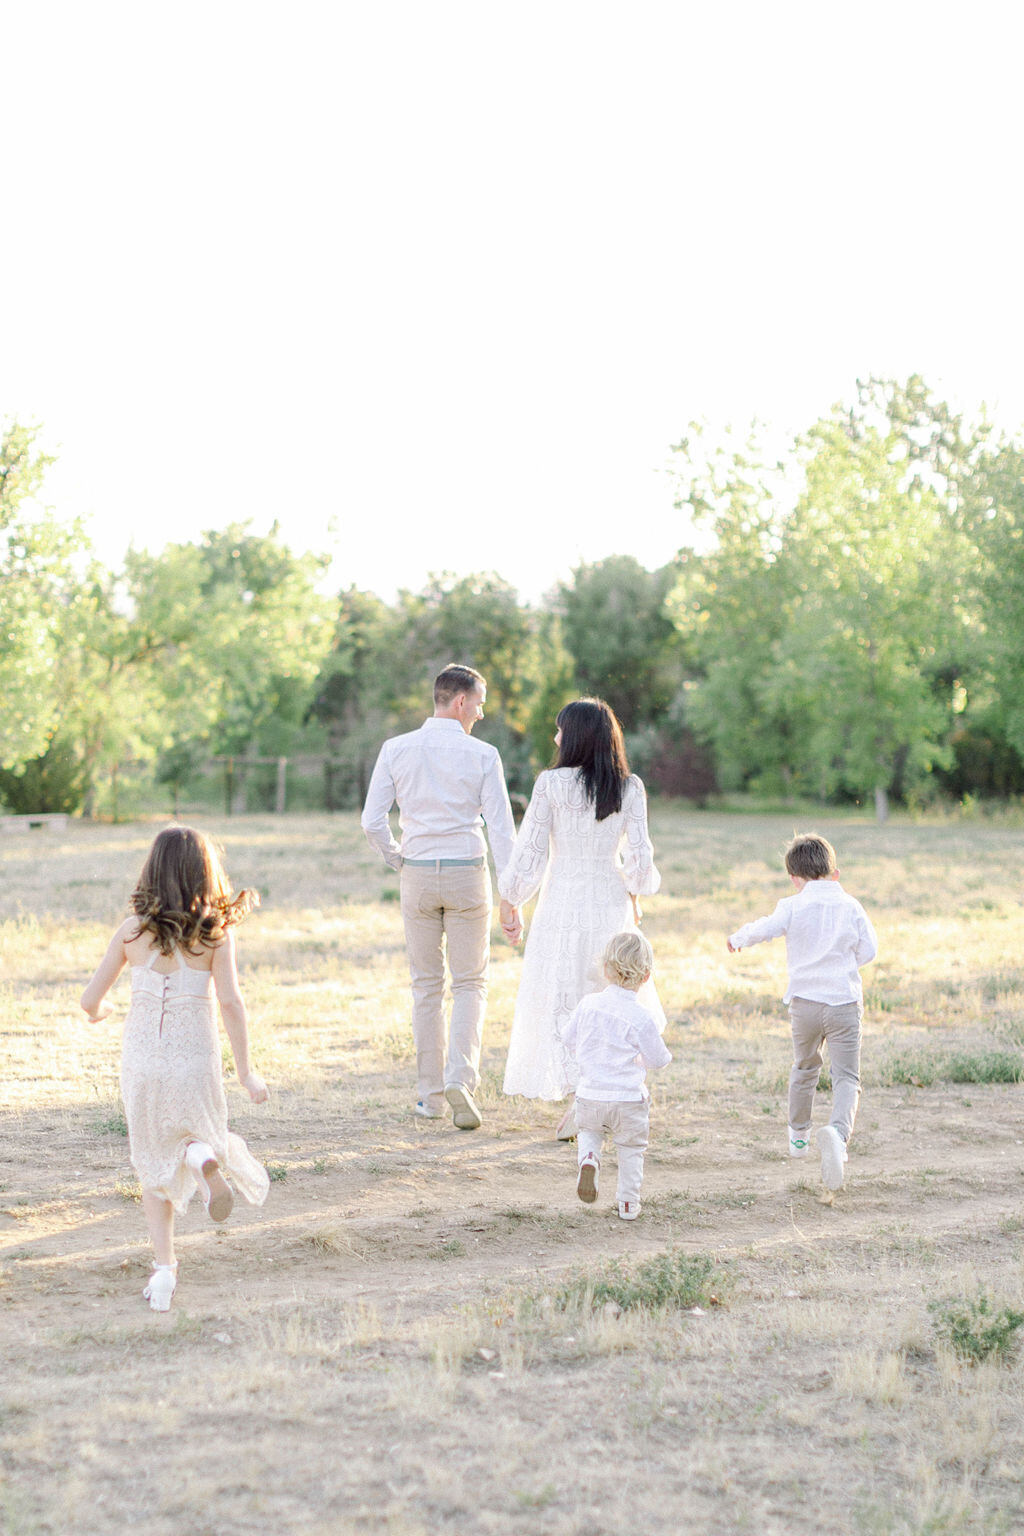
x,y
161,1287
213,1186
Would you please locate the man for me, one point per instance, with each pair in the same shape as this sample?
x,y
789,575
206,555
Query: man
x,y
447,786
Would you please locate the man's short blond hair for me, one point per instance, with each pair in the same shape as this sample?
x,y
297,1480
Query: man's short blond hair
x,y
628,959
810,857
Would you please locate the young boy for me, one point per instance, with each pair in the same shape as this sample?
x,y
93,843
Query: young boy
x,y
613,1038
828,939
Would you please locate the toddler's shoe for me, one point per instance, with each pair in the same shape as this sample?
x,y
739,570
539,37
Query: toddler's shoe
x,y
566,1128
629,1210
586,1184
799,1142
833,1155
161,1287
213,1186
465,1115
426,1113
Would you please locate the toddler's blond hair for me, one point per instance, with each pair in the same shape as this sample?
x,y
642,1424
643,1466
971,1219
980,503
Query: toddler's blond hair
x,y
628,959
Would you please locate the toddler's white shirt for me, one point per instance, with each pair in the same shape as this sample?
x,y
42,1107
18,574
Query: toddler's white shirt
x,y
828,938
613,1038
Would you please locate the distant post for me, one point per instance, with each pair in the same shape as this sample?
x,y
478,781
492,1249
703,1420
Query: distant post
x,y
282,782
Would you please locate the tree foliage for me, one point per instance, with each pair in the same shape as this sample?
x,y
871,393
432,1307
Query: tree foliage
x,y
846,622
36,555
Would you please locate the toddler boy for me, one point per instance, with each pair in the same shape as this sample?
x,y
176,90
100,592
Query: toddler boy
x,y
613,1039
828,939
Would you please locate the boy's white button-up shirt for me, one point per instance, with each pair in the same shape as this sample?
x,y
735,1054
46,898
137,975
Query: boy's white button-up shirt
x,y
828,938
613,1039
447,786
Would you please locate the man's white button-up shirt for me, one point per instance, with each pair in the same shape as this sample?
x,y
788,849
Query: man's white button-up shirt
x,y
448,787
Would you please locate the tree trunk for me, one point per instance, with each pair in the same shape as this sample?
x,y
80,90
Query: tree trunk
x,y
881,803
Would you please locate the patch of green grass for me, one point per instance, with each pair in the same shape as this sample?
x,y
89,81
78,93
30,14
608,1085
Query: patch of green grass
x,y
985,1067
452,1249
276,1172
113,1124
975,1328
539,1500
397,1044
923,1069
669,1279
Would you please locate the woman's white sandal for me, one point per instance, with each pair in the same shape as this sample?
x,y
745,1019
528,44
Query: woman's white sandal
x,y
161,1287
213,1186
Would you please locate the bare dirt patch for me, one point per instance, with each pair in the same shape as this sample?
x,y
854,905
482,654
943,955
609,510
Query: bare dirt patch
x,y
381,1348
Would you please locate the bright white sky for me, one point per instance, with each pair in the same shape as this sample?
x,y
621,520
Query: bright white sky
x,y
437,284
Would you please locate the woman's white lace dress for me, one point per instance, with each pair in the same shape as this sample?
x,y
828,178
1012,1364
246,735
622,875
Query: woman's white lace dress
x,y
172,1085
585,870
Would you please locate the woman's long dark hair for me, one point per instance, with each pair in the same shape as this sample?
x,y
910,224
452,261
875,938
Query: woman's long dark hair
x,y
592,742
183,897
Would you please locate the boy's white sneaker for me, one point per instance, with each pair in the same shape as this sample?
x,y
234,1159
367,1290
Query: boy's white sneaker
x,y
426,1113
589,1179
161,1287
629,1210
833,1155
799,1142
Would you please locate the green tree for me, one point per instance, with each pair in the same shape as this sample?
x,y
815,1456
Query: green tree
x,y
235,632
728,605
836,616
873,617
36,568
621,636
377,678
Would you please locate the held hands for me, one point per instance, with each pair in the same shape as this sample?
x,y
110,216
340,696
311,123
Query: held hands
x,y
258,1090
511,922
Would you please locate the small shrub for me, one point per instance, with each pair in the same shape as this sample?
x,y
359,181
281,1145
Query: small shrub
x,y
390,894
129,1189
917,1069
975,1329
669,1279
922,1069
276,1172
985,1067
452,1249
112,1125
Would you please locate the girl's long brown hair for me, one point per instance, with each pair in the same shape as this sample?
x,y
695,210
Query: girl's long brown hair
x,y
183,897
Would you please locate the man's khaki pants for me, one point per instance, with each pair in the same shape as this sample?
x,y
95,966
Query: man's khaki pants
x,y
840,1025
447,909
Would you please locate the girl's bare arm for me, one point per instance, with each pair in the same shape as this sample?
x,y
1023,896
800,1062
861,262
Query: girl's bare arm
x,y
106,973
236,1020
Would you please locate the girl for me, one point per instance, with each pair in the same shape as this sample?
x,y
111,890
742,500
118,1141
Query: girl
x,y
584,844
178,941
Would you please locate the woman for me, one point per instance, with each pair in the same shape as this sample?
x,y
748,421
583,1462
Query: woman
x,y
584,844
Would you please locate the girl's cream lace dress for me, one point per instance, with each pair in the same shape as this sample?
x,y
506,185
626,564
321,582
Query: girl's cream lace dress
x,y
172,1085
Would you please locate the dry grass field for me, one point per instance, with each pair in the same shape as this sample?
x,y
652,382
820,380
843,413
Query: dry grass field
x,y
413,1337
